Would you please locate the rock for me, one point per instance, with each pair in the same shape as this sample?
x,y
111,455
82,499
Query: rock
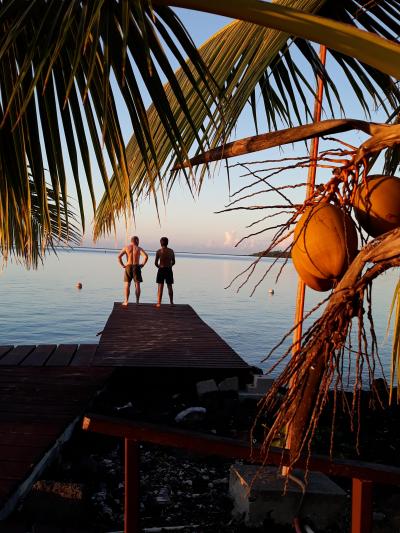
x,y
163,497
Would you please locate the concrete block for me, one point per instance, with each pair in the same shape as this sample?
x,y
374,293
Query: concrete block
x,y
229,384
258,389
260,493
262,384
206,387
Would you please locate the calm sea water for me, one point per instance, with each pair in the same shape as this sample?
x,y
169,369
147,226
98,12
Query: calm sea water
x,y
44,306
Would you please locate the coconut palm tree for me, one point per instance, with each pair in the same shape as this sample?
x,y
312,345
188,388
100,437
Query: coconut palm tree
x,y
244,57
62,62
61,65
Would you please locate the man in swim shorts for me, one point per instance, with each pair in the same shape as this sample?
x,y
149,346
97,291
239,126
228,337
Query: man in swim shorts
x,y
165,260
133,267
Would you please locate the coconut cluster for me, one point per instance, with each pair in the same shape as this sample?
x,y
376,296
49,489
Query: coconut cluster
x,y
325,237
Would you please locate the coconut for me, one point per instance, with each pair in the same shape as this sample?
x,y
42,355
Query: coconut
x,y
377,204
325,243
317,284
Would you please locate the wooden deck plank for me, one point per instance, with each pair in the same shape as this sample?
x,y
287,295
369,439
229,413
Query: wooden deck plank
x,y
37,405
5,349
170,336
17,453
14,469
17,355
62,355
39,356
84,355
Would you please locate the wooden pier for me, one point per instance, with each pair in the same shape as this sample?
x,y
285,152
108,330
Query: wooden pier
x,y
39,408
45,389
170,336
49,355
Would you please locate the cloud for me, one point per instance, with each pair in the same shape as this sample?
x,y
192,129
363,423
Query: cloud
x,y
230,238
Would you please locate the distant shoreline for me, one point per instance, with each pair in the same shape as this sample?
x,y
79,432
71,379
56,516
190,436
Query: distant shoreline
x,y
97,249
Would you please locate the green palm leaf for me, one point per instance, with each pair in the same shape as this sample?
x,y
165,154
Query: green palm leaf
x,y
242,56
58,61
331,33
28,244
395,366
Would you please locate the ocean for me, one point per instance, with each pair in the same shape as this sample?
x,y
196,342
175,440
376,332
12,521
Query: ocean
x,y
44,306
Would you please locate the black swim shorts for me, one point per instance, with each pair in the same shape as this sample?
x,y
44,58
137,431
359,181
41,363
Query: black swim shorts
x,y
133,272
165,274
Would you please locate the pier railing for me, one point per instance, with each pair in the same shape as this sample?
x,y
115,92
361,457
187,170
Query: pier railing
x,y
362,474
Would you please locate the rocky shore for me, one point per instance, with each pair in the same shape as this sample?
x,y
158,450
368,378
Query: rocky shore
x,y
83,491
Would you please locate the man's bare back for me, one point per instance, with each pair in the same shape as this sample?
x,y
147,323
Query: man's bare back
x,y
132,267
165,257
133,254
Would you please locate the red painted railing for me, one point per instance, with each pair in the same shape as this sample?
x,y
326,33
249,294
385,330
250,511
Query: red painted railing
x,y
363,474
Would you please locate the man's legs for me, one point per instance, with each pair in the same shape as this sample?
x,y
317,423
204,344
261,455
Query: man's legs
x,y
159,294
137,291
127,292
170,293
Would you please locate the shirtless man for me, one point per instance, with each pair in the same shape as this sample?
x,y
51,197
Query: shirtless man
x,y
133,268
165,260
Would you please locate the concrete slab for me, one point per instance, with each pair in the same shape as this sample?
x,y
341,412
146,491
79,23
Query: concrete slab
x,y
209,386
229,384
256,390
260,493
261,384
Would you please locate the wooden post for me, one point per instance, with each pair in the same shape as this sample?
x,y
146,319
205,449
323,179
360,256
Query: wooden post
x,y
361,506
132,480
301,288
312,171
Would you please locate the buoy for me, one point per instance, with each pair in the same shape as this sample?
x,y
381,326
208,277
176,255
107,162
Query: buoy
x,y
79,285
271,291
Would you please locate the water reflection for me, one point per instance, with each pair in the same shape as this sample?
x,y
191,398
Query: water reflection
x,y
44,306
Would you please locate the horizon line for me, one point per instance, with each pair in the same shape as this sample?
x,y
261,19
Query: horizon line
x,y
151,251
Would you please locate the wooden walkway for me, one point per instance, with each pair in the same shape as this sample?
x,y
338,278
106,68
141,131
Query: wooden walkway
x,y
170,336
38,409
44,389
49,355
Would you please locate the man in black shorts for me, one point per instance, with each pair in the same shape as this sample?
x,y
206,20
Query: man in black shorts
x,y
165,260
133,267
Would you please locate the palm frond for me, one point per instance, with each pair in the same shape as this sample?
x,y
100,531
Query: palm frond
x,y
23,238
61,64
241,57
329,32
237,57
395,365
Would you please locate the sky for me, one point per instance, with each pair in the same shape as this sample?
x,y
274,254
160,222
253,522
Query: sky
x,y
192,223
189,222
